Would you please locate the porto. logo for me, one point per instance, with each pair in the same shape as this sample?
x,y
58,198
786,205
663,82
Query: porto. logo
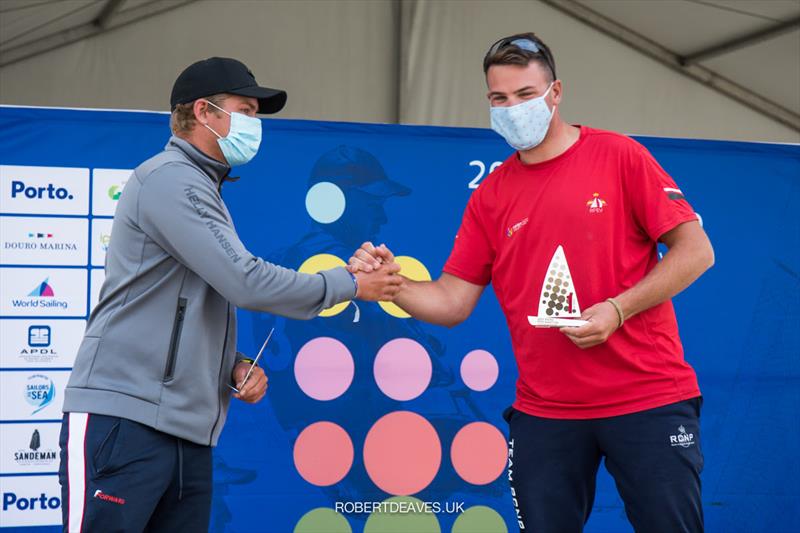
x,y
40,391
43,290
50,192
32,503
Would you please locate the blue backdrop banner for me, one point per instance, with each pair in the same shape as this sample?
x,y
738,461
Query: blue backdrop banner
x,y
369,413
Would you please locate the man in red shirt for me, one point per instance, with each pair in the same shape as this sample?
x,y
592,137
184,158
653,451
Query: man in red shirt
x,y
573,219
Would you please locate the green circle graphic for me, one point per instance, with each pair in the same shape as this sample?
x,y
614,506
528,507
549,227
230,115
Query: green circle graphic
x,y
480,519
322,520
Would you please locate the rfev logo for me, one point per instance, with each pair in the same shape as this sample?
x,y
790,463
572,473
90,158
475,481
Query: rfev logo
x,y
596,204
35,454
40,391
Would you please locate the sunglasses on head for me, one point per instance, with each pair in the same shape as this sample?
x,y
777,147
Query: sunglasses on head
x,y
526,44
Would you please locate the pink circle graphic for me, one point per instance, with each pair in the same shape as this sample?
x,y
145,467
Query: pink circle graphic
x,y
479,453
479,370
402,369
402,453
324,368
323,453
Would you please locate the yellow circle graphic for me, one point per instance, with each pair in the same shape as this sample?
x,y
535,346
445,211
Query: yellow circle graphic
x,y
318,262
413,270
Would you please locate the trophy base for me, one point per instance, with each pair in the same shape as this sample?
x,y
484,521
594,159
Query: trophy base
x,y
550,322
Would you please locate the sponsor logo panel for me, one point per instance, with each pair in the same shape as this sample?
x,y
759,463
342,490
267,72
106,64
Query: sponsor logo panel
x,y
40,343
101,238
43,292
43,241
29,448
32,395
44,190
107,187
30,501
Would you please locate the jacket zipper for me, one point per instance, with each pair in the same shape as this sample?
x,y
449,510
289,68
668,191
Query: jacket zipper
x,y
169,371
219,374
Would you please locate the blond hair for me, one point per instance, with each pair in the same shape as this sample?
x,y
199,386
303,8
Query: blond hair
x,y
182,121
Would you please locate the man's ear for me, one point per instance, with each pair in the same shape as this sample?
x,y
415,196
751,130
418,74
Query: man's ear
x,y
557,91
200,108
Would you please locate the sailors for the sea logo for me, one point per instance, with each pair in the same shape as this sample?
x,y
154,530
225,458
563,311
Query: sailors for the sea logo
x,y
40,391
682,439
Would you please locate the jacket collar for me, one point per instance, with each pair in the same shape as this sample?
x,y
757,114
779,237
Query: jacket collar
x,y
216,170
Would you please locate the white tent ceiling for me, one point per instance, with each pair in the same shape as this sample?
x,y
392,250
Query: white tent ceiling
x,y
746,49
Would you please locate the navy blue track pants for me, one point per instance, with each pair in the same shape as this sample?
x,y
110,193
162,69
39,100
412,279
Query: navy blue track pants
x,y
654,457
120,476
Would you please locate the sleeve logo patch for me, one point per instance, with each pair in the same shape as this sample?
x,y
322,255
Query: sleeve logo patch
x,y
674,194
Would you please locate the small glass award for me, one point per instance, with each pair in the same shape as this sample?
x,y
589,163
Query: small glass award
x,y
558,302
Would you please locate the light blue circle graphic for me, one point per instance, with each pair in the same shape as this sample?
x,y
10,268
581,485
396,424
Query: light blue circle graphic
x,y
325,202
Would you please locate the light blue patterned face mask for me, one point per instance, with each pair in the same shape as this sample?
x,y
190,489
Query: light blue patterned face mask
x,y
524,126
243,139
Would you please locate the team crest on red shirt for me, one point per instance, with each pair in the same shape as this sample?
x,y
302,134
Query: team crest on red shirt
x,y
596,204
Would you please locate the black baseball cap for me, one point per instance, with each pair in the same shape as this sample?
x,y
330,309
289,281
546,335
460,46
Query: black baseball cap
x,y
217,75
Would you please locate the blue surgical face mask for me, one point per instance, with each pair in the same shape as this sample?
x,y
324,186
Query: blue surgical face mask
x,y
524,126
243,139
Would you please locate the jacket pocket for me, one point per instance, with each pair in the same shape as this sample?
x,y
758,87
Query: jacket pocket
x,y
175,341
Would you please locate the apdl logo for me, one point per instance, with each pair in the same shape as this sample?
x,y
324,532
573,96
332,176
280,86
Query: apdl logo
x,y
40,391
51,192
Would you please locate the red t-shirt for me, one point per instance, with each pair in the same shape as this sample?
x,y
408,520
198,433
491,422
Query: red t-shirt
x,y
605,201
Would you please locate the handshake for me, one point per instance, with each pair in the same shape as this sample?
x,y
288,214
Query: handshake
x,y
376,273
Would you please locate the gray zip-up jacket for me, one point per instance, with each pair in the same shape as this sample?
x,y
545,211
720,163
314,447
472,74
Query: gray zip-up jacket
x,y
160,346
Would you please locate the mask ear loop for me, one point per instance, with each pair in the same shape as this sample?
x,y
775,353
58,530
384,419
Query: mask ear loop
x,y
209,127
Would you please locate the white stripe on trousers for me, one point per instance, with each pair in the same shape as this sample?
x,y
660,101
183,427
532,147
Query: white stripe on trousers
x,y
76,470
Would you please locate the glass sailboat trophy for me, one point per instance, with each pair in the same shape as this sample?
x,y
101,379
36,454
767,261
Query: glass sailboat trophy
x,y
558,301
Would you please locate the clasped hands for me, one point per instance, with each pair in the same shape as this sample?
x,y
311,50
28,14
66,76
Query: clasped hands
x,y
376,273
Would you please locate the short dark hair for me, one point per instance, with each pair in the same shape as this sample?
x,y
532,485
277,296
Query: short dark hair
x,y
506,52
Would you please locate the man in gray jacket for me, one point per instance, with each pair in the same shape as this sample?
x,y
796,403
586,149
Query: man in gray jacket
x,y
151,384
